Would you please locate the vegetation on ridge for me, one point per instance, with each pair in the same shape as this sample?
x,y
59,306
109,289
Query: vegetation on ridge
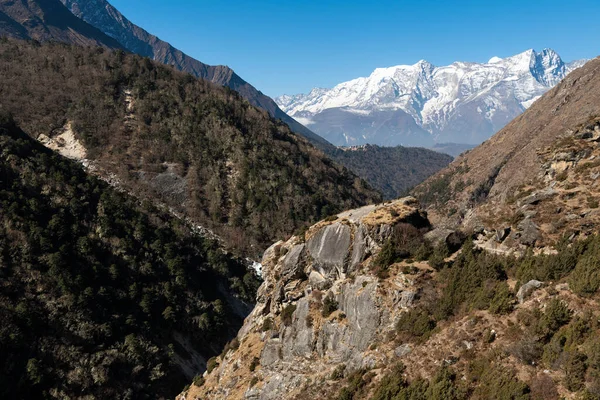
x,y
392,170
551,336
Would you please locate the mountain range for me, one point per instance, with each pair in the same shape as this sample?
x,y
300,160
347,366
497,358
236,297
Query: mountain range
x,y
421,104
102,15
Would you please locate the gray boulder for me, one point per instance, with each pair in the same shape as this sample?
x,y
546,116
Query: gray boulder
x,y
526,289
536,197
271,353
438,235
407,299
529,232
318,281
402,350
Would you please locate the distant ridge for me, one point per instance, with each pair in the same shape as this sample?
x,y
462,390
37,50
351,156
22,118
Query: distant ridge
x,y
45,20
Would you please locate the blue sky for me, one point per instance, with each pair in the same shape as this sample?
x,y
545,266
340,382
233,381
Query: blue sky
x,y
291,46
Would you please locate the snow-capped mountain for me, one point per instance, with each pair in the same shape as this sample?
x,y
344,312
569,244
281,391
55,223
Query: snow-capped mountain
x,y
421,104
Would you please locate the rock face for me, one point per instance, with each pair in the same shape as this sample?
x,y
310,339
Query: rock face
x,y
329,249
289,335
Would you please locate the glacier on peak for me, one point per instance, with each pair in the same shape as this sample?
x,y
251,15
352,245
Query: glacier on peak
x,y
419,104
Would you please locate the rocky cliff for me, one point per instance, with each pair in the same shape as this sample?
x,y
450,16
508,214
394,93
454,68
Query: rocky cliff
x,y
319,307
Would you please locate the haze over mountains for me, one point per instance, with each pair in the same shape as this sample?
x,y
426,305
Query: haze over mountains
x,y
421,104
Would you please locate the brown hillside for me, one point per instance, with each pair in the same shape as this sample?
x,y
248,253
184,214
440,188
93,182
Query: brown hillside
x,y
521,159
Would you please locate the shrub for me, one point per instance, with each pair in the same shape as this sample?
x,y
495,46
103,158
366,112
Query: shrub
x,y
232,345
556,315
562,176
211,364
34,373
287,313
423,252
253,381
568,338
543,388
585,278
443,386
415,325
198,380
329,306
575,368
405,242
267,324
338,372
503,300
492,381
437,259
528,350
470,282
387,255
390,385
254,363
309,321
355,384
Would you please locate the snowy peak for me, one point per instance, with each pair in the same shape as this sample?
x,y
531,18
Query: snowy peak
x,y
547,67
474,98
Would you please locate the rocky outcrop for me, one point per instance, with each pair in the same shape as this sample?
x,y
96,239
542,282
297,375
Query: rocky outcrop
x,y
319,308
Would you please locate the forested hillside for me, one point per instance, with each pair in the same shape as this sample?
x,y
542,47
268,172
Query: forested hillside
x,y
102,296
196,146
392,170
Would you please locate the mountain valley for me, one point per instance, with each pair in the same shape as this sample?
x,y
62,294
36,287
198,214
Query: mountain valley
x,y
103,295
169,231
